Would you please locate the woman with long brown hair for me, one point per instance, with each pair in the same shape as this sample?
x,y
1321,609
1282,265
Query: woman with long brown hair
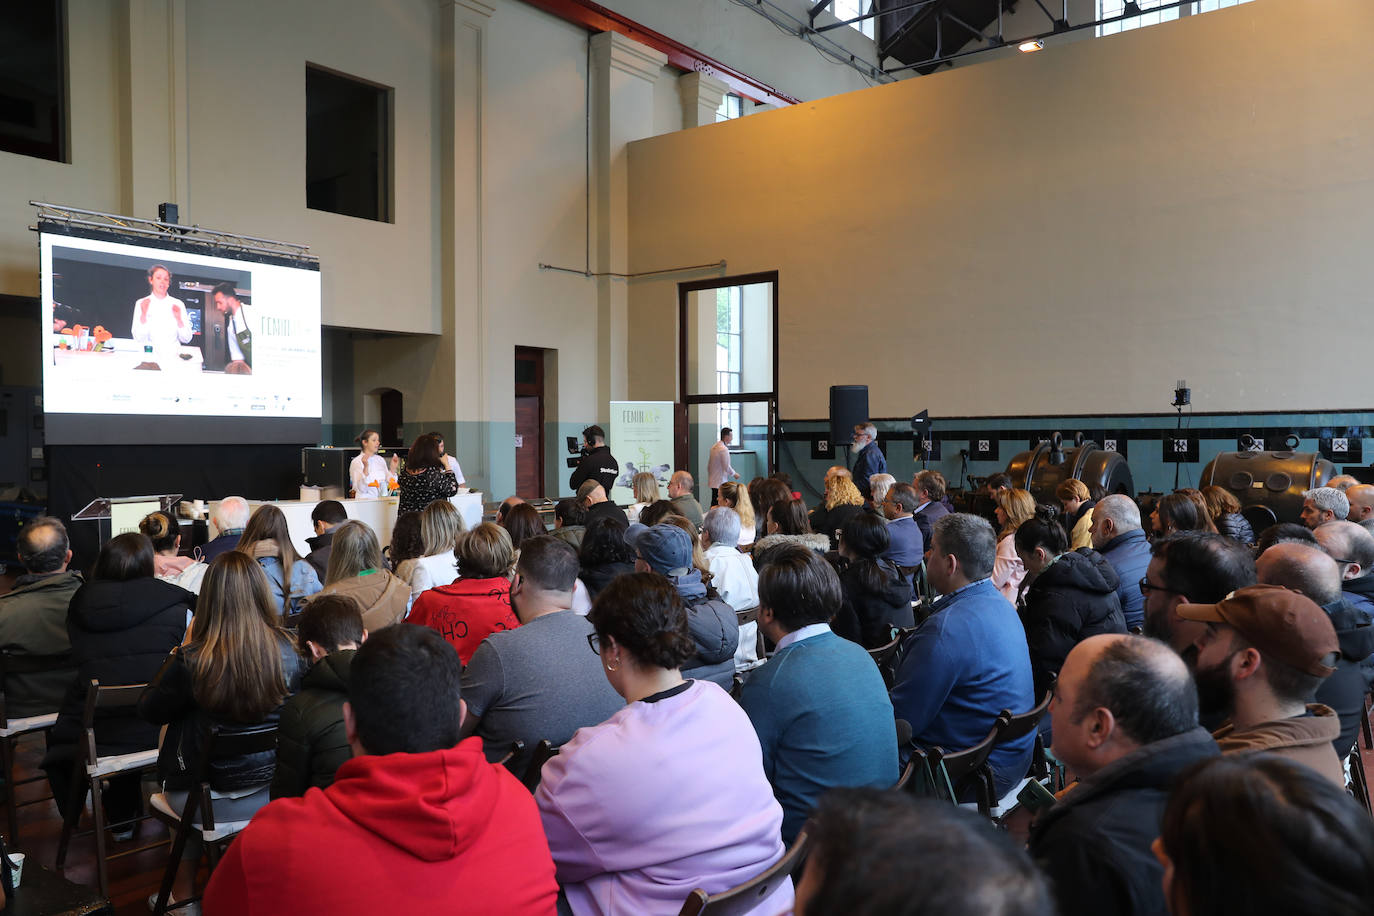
x,y
356,570
267,540
426,477
235,671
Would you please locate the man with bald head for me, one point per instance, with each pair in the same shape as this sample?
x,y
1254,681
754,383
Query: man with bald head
x,y
1125,722
1361,499
33,617
1352,547
1310,572
680,487
1118,536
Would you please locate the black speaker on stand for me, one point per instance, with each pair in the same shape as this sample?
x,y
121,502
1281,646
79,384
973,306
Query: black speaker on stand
x,y
848,408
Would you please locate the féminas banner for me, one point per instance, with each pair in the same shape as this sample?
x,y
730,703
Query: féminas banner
x,y
641,439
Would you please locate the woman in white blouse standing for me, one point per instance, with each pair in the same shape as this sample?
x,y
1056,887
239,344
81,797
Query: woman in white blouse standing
x,y
370,475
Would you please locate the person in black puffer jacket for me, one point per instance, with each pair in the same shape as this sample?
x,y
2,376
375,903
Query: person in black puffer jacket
x,y
235,671
877,597
122,623
312,742
1068,595
1225,509
604,554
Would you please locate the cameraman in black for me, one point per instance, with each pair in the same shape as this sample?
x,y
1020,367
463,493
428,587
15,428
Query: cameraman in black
x,y
597,462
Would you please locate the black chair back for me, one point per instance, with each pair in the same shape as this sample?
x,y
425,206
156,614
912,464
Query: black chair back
x,y
543,752
747,896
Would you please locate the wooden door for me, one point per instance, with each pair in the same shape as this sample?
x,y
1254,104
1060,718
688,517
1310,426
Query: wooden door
x,y
529,422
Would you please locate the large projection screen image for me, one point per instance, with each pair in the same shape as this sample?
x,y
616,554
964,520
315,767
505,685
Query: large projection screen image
x,y
146,343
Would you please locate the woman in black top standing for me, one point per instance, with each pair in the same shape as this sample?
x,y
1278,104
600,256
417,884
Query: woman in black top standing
x,y
425,477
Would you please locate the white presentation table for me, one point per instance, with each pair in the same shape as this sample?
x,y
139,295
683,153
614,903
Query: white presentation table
x,y
378,513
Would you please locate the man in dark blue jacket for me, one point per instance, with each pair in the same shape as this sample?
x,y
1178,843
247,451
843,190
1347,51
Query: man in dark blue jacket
x,y
1117,535
868,458
906,548
969,660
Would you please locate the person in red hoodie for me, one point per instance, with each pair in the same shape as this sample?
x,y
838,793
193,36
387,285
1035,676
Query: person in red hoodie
x,y
477,603
415,822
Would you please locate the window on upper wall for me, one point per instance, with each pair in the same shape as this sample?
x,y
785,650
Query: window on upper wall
x,y
348,141
731,107
848,9
1150,15
33,79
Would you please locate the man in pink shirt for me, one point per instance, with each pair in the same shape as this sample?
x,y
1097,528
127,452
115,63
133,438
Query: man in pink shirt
x,y
718,469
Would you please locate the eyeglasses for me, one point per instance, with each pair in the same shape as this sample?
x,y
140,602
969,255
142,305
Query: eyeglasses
x,y
595,642
1146,586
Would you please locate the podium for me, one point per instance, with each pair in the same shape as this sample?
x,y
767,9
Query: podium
x,y
116,515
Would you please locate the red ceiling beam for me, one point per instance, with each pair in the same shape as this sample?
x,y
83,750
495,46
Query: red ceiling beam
x,y
597,18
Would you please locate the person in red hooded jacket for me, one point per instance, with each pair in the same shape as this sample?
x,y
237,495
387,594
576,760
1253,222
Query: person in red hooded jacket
x,y
415,822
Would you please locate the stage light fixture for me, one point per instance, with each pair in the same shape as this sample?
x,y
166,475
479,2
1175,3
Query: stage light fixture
x,y
1028,47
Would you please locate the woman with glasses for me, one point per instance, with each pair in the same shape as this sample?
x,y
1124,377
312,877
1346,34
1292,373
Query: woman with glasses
x,y
669,794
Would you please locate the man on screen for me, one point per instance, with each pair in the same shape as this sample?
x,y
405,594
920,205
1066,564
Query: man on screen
x,y
160,320
237,331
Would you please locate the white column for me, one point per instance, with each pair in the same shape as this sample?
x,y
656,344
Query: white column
x,y
623,76
701,97
154,107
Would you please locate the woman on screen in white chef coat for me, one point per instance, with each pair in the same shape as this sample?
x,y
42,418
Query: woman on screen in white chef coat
x,y
160,320
371,475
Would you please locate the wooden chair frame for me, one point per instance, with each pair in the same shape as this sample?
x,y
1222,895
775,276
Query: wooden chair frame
x,y
11,730
742,898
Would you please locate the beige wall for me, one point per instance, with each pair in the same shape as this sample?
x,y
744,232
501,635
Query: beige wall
x,y
1063,232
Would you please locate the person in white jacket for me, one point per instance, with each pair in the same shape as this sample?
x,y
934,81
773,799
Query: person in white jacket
x,y
371,476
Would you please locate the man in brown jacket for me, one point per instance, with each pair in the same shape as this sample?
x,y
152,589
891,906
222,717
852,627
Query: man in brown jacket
x,y
1263,655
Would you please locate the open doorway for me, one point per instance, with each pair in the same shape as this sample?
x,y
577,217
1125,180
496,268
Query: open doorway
x,y
384,408
529,422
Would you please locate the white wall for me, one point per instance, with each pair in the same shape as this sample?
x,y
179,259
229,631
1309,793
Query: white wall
x,y
1064,232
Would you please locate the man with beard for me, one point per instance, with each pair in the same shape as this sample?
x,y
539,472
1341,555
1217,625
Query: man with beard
x,y
1261,656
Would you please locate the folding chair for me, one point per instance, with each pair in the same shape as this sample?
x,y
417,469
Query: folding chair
x,y
542,754
885,658
217,744
90,769
955,773
1013,728
515,748
11,730
1357,783
745,897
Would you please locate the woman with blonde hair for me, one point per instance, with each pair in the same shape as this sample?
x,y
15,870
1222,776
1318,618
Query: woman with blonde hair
x,y
1225,512
646,492
1013,508
356,570
841,503
735,496
477,603
235,671
440,526
1078,505
267,540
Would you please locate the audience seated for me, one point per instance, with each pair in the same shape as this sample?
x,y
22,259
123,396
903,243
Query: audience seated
x,y
1069,595
1361,500
168,564
878,485
1310,572
645,487
711,623
1324,504
522,522
878,853
764,493
1259,662
1264,836
906,545
819,706
327,515
1225,512
1117,535
669,794
1078,505
235,671
841,502
1190,567
355,570
604,555
440,527
415,822
732,574
229,519
537,682
598,505
680,490
1204,511
1352,548
1012,507
311,740
477,603
1125,723
1176,512
930,502
968,660
122,624
1284,533
876,595
569,522
267,540
735,497
787,524
506,505
654,513
407,545
33,617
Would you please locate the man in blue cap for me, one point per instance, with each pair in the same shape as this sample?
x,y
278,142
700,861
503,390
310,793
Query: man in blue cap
x,y
667,550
